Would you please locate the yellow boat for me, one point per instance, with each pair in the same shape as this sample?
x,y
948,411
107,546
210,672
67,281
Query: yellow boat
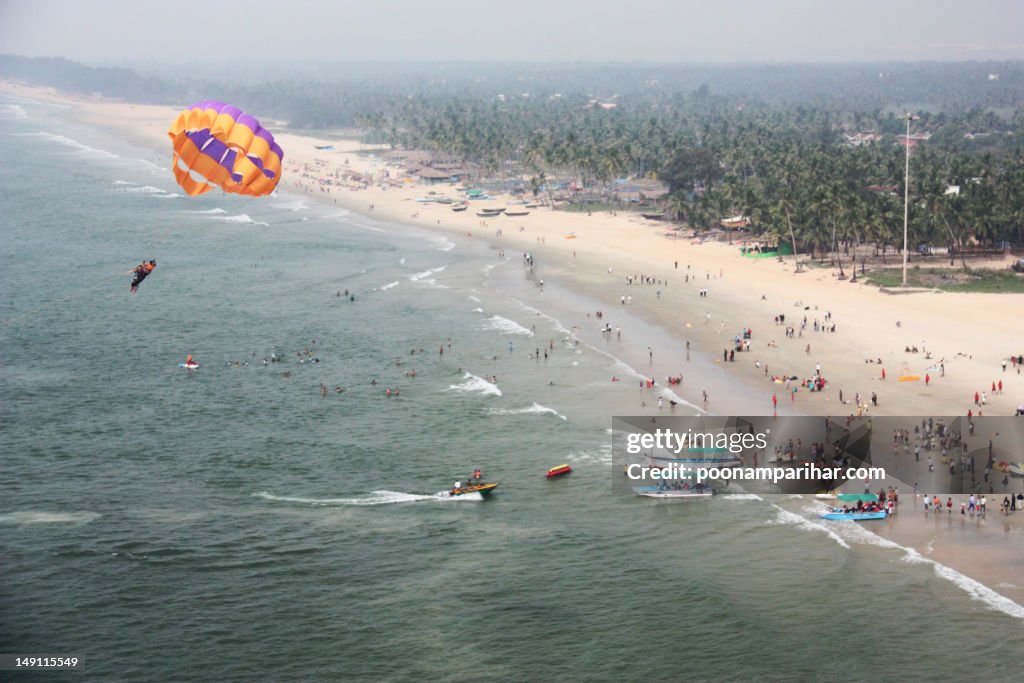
x,y
484,489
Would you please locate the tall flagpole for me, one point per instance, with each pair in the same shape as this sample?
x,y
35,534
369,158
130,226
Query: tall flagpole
x,y
906,195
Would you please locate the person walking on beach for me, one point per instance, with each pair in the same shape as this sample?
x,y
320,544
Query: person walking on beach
x,y
775,403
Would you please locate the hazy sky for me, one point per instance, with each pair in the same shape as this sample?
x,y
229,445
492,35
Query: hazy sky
x,y
514,30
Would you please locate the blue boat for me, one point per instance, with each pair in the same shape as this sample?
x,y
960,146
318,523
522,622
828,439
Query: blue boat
x,y
854,516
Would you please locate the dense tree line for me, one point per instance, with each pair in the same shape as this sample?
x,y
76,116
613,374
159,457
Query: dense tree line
x,y
766,142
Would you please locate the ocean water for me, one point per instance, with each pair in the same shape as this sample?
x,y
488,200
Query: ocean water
x,y
232,523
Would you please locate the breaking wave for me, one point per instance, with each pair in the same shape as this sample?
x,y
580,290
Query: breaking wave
x,y
471,384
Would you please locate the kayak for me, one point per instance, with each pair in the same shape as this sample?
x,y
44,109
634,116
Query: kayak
x,y
483,489
190,366
559,471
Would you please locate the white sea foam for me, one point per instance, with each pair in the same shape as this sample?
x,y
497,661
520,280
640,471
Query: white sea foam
x,y
973,588
240,218
389,285
505,326
143,189
471,384
740,496
374,498
533,409
64,140
791,518
211,212
474,299
292,205
401,261
444,496
478,310
29,517
426,274
555,322
14,111
446,246
620,367
602,455
124,182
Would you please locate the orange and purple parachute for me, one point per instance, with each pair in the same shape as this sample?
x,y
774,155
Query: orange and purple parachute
x,y
217,144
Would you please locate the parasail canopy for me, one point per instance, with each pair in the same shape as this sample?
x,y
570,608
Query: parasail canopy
x,y
216,144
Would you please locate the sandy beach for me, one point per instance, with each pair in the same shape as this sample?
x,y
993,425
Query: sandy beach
x,y
967,336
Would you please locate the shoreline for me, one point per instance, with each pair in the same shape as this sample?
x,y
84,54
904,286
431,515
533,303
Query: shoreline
x,y
736,287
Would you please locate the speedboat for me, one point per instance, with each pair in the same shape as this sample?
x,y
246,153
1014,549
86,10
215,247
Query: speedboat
x,y
484,489
559,471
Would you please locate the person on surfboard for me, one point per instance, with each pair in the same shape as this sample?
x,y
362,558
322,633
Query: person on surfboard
x,y
140,273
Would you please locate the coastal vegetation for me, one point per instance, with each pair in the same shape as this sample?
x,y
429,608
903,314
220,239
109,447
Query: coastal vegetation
x,y
812,155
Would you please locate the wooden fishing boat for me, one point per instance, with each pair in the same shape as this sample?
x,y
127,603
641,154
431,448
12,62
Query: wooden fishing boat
x,y
517,213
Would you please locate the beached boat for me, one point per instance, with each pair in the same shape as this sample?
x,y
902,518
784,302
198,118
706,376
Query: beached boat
x,y
517,213
488,214
1016,469
838,514
559,471
484,489
460,207
656,492
654,216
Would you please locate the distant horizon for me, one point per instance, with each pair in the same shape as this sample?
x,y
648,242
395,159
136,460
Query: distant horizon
x,y
535,31
143,63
